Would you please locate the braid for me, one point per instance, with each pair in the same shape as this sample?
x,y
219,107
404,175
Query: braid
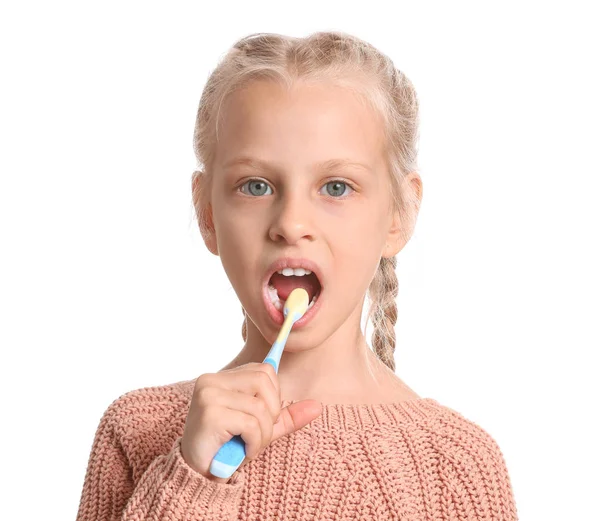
x,y
383,291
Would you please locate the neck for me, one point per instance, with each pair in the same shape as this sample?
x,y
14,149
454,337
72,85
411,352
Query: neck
x,y
338,369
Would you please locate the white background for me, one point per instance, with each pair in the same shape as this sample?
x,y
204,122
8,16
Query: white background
x,y
106,285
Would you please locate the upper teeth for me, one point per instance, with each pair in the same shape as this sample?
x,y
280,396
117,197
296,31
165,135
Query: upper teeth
x,y
298,272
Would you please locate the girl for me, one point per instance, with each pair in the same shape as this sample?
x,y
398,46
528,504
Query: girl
x,y
308,154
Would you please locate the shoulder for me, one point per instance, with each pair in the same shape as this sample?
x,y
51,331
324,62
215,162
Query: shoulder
x,y
148,403
135,429
446,464
144,423
469,464
454,432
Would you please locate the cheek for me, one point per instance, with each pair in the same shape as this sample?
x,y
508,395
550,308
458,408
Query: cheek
x,y
364,234
232,221
359,250
239,253
237,242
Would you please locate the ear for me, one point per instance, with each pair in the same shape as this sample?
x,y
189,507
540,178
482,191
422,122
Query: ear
x,y
403,223
396,237
204,211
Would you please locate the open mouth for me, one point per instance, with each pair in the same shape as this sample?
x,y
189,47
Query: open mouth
x,y
279,287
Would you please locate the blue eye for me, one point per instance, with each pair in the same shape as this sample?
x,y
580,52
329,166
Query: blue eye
x,y
257,186
336,191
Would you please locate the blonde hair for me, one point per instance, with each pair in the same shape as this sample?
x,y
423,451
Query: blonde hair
x,y
343,59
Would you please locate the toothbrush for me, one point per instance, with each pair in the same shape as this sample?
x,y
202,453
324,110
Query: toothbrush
x,y
232,453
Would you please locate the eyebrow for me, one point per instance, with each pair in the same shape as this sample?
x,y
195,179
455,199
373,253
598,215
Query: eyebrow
x,y
330,164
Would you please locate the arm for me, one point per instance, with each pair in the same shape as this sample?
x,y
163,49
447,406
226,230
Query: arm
x,y
168,490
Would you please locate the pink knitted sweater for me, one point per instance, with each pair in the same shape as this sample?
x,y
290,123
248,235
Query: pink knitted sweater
x,y
415,460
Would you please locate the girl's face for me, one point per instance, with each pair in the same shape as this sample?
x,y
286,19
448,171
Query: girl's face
x,y
271,199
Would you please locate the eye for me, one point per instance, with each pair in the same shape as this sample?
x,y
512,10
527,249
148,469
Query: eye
x,y
338,188
256,188
256,185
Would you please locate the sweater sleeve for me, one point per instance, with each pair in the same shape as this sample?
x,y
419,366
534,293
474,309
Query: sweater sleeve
x,y
168,490
475,480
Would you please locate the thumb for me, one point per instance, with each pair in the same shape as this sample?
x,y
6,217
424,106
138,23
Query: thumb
x,y
295,416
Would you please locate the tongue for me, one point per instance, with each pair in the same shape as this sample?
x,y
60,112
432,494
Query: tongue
x,y
285,285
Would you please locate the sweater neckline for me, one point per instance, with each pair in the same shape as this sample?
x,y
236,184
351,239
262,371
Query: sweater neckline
x,y
364,416
355,417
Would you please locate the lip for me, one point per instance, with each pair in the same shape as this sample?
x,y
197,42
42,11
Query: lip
x,y
291,262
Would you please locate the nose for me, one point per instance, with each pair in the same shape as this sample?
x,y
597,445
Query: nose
x,y
292,219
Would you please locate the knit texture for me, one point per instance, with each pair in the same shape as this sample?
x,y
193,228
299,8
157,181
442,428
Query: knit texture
x,y
415,460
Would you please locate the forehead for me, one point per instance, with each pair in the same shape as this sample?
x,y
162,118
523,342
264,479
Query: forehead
x,y
311,123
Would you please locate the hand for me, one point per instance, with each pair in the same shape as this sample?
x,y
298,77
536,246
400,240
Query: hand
x,y
245,400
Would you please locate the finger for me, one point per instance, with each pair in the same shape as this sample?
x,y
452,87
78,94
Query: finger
x,y
274,401
260,366
257,379
295,416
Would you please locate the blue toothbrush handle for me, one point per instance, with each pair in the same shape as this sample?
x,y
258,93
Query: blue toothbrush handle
x,y
271,361
231,454
229,457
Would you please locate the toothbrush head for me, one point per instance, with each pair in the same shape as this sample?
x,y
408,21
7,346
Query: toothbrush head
x,y
296,304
